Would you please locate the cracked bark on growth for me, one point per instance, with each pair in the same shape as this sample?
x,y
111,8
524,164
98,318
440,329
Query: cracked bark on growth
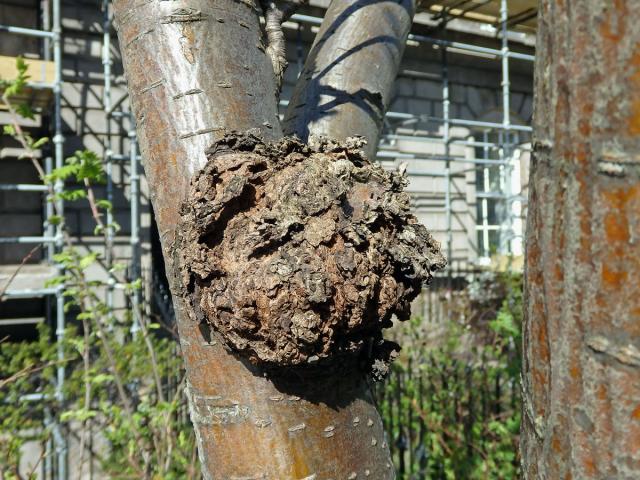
x,y
299,255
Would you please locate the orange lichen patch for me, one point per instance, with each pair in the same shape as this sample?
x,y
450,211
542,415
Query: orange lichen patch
x,y
173,159
635,414
581,154
556,445
543,342
634,117
616,220
558,272
613,278
589,464
609,34
187,43
574,371
633,326
613,26
602,393
635,62
586,232
535,277
539,385
299,466
616,223
632,439
584,124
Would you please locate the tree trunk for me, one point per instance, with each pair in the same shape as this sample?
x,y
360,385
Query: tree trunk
x,y
196,68
581,373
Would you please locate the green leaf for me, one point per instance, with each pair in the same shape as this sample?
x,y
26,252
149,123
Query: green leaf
x,y
101,378
88,260
64,257
118,267
25,111
54,220
40,142
135,285
77,343
73,195
61,173
105,205
54,282
89,166
81,414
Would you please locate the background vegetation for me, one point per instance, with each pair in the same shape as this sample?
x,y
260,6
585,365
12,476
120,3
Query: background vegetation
x,y
451,407
124,382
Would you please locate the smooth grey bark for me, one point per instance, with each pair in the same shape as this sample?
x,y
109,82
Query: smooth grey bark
x,y
581,368
196,68
346,83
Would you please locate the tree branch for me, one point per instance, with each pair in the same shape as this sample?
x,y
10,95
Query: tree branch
x,y
275,14
346,83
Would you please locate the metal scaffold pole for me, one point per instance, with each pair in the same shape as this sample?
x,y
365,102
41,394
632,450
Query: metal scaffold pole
x,y
446,104
108,152
507,169
58,141
134,178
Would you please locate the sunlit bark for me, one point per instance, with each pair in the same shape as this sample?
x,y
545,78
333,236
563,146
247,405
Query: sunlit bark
x,y
581,376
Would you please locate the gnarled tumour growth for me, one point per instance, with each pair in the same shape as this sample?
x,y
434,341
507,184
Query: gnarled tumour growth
x,y
299,255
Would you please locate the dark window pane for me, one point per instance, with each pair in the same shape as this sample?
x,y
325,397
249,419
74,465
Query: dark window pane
x,y
481,248
494,241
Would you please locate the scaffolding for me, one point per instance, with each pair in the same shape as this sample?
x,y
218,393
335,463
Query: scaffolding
x,y
52,236
500,137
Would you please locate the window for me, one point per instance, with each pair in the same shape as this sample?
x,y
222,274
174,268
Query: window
x,y
493,184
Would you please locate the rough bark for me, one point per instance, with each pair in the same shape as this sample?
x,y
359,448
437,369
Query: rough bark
x,y
345,86
194,69
298,255
581,374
